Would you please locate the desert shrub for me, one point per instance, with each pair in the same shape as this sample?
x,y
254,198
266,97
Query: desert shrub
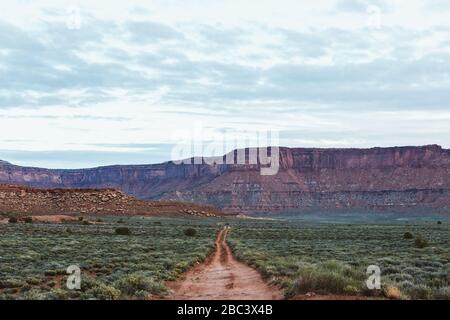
x,y
123,231
351,290
268,270
400,277
86,223
99,220
341,268
80,218
329,277
35,294
439,222
420,242
120,221
57,294
25,288
104,292
442,293
138,283
88,283
50,273
408,236
391,270
181,267
420,292
28,220
190,232
405,285
143,295
12,220
392,292
33,281
11,283
167,263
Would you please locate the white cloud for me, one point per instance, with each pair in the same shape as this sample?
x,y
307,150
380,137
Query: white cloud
x,y
134,72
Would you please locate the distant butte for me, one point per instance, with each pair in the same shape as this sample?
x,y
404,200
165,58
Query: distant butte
x,y
397,178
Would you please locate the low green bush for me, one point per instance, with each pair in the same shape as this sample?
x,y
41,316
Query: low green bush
x,y
190,232
104,292
12,220
325,278
139,284
420,292
408,236
33,281
11,283
123,231
57,294
35,294
442,293
351,290
420,242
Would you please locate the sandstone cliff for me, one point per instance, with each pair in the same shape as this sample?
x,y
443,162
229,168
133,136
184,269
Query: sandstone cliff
x,y
395,178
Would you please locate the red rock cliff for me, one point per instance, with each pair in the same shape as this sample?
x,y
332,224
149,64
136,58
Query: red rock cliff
x,y
379,178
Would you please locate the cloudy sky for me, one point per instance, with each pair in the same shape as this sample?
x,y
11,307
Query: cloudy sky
x,y
86,83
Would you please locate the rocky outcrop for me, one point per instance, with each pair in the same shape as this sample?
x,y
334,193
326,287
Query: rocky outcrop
x,y
395,178
32,201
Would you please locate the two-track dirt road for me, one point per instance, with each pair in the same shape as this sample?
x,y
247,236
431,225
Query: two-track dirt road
x,y
222,277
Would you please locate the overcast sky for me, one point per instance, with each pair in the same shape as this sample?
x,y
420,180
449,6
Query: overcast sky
x,y
88,83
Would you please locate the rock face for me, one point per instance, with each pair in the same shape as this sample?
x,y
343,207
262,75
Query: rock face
x,y
396,178
31,201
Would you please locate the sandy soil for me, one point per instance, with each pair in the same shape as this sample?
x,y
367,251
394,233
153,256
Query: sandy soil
x,y
222,277
58,218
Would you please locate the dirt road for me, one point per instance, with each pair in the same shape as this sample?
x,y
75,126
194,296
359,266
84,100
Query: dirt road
x,y
222,277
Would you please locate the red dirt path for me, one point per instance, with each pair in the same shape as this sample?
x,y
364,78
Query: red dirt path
x,y
223,278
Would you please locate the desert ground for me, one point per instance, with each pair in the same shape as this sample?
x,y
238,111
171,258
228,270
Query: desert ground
x,y
142,257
